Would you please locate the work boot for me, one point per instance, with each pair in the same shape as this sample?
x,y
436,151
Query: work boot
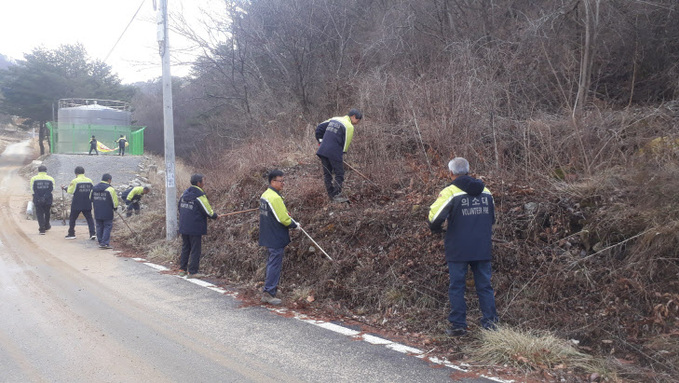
x,y
340,199
270,299
195,275
456,331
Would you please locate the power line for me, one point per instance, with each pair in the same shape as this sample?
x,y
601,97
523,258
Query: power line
x,y
122,34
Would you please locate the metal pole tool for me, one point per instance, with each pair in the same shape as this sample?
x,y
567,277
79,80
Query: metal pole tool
x,y
312,240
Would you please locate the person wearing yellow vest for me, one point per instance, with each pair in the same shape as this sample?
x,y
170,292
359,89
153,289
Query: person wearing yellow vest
x,y
274,224
105,202
334,137
468,206
194,210
80,187
122,143
132,196
42,186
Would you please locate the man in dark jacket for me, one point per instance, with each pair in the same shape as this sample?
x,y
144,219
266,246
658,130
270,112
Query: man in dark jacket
x,y
93,146
105,201
42,186
468,206
334,136
194,210
274,223
122,143
80,187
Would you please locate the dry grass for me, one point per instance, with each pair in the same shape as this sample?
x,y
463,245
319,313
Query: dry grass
x,y
532,351
389,269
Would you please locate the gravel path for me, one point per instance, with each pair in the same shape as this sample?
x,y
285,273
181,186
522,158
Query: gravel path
x,y
123,169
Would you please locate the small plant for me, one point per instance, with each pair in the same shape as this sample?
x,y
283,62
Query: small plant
x,y
533,351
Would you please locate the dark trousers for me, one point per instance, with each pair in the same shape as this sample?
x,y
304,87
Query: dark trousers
x,y
104,227
95,150
74,216
273,270
121,150
330,167
190,257
132,206
42,211
484,291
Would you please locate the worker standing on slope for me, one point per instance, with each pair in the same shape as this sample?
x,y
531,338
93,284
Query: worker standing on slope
x,y
194,210
334,137
42,186
105,201
468,206
122,142
274,226
132,196
80,187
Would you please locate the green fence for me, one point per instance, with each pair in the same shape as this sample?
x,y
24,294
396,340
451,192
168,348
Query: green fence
x,y
75,139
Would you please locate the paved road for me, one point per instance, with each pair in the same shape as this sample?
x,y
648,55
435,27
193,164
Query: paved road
x,y
74,313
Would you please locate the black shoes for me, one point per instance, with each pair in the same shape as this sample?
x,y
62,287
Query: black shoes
x,y
456,331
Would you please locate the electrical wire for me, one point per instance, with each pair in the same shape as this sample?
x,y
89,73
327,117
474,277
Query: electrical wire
x,y
122,34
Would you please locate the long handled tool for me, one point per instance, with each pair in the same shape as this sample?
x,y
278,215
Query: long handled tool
x,y
63,209
360,174
237,212
124,221
312,240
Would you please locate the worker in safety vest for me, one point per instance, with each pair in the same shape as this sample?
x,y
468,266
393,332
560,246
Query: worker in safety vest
x,y
122,143
468,207
80,187
274,226
132,196
194,210
105,201
42,186
334,137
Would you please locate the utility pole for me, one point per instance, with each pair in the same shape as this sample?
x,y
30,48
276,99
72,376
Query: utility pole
x,y
170,184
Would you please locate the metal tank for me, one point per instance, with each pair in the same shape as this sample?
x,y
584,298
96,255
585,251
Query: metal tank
x,y
80,119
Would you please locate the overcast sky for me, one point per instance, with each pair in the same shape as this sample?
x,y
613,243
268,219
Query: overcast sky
x,y
97,24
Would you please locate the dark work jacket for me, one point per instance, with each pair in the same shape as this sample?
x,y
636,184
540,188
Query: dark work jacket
x,y
93,143
194,210
335,136
274,220
104,200
42,186
81,187
468,206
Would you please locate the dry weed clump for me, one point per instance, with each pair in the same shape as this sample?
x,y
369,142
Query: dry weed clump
x,y
532,351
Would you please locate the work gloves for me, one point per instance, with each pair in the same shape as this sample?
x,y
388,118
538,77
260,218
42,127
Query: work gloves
x,y
298,227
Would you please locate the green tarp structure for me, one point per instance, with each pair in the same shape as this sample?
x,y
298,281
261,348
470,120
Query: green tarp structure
x,y
75,139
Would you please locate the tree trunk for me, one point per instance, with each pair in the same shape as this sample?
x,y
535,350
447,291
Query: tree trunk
x,y
41,136
591,24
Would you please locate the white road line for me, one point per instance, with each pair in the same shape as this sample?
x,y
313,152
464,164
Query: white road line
x,y
157,267
403,348
375,339
337,328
